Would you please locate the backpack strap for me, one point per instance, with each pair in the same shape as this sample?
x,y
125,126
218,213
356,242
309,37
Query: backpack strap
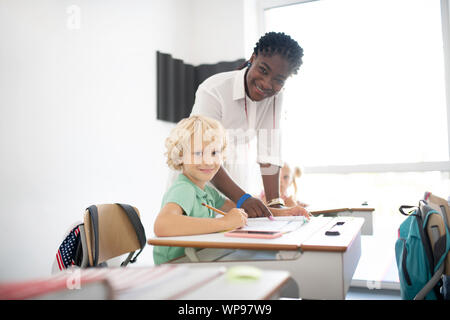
x,y
431,284
408,213
422,221
84,259
138,227
129,259
93,213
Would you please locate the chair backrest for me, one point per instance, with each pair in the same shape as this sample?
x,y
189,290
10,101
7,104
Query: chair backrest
x,y
117,234
439,204
436,224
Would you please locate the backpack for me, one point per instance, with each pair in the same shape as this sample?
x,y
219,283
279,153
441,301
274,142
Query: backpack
x,y
86,243
421,249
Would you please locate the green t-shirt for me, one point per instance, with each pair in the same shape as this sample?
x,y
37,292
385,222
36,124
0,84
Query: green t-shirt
x,y
189,197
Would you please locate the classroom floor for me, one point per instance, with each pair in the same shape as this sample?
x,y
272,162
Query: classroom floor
x,y
376,276
355,293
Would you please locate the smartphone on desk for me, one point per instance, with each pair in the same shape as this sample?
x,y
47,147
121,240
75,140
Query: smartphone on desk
x,y
254,234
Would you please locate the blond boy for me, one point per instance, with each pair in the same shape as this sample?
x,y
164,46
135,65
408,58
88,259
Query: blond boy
x,y
196,147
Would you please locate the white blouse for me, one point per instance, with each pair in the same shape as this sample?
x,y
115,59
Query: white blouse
x,y
222,97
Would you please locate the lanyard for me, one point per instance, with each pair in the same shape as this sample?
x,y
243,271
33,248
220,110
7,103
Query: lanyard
x,y
246,112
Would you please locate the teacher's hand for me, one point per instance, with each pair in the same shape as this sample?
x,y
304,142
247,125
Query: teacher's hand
x,y
291,211
255,208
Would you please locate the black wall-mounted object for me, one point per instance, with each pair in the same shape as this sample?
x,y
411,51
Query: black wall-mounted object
x,y
177,83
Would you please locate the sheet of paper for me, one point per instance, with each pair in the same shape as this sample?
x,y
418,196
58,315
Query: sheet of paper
x,y
283,224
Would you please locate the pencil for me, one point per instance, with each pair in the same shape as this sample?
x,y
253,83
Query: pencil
x,y
214,209
223,213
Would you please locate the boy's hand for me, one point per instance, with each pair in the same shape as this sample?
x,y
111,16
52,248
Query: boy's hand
x,y
235,218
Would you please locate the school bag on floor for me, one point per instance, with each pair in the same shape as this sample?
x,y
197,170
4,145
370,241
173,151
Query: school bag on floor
x,y
421,251
107,231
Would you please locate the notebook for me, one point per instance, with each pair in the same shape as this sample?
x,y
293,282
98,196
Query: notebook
x,y
281,224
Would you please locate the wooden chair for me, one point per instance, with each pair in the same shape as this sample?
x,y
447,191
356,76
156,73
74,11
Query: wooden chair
x,y
112,230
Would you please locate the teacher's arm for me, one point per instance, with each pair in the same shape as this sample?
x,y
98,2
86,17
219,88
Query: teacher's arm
x,y
270,174
253,206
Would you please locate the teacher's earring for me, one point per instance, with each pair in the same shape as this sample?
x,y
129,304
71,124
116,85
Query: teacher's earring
x,y
249,64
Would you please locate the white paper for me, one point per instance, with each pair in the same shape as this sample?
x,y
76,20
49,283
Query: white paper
x,y
282,224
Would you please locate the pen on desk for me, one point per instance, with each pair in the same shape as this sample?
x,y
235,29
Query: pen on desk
x,y
214,209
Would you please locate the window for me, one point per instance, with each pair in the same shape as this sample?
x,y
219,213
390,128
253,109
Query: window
x,y
368,107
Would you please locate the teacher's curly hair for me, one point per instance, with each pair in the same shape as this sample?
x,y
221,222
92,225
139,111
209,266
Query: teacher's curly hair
x,y
281,43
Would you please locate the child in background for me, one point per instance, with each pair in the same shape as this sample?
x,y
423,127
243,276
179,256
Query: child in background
x,y
196,146
288,178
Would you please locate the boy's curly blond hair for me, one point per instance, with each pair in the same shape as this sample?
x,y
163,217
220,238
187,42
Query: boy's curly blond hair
x,y
209,130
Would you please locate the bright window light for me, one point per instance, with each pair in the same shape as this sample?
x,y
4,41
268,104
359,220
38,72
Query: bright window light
x,y
371,89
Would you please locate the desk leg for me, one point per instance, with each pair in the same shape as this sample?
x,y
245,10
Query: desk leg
x,y
327,275
191,254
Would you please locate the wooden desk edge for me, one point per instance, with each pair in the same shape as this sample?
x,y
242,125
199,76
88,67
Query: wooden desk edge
x,y
312,247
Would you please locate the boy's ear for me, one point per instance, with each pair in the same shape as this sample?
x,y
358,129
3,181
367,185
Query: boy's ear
x,y
179,162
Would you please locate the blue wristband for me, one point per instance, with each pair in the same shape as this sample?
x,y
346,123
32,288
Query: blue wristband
x,y
242,199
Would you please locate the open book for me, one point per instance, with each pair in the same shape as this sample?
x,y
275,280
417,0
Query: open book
x,y
280,224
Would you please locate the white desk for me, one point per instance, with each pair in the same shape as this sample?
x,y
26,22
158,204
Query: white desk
x,y
321,265
265,288
360,212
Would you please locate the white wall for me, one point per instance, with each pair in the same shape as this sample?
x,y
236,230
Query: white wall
x,y
78,111
217,31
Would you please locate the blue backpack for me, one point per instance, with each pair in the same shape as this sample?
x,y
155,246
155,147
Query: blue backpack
x,y
420,252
